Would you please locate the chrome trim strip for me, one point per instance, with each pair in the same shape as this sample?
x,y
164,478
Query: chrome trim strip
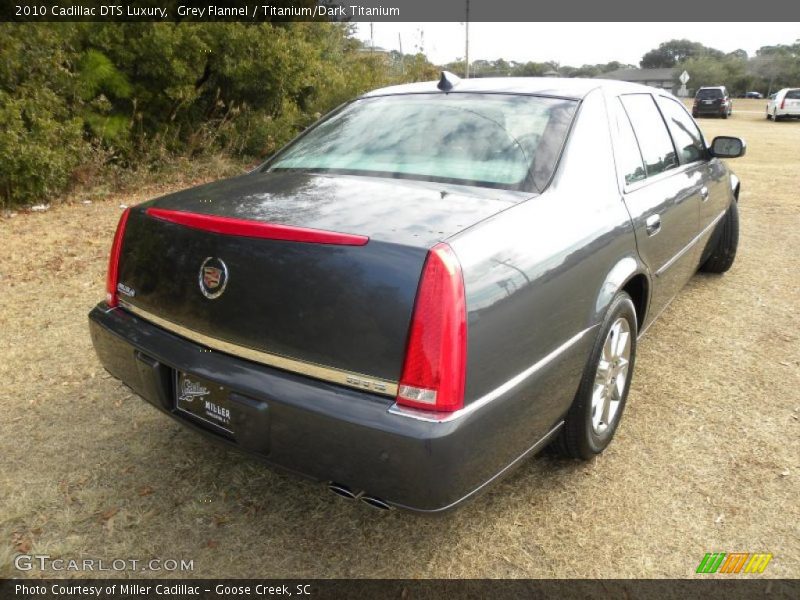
x,y
689,246
434,417
357,381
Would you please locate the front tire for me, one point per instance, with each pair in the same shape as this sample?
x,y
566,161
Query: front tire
x,y
597,409
724,243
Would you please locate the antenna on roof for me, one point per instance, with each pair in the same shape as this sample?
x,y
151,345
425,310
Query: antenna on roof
x,y
447,81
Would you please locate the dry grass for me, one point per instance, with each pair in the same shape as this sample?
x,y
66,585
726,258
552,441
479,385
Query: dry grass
x,y
707,458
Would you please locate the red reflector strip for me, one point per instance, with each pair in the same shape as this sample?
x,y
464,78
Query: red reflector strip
x,y
256,229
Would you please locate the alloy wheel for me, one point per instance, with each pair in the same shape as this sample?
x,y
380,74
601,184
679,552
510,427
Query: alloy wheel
x,y
611,376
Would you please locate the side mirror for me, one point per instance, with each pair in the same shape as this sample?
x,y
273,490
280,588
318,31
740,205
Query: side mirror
x,y
725,146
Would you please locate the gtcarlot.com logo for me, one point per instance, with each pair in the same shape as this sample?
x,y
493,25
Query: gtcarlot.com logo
x,y
733,563
43,562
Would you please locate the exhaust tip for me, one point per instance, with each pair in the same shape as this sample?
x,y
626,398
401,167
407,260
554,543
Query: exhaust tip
x,y
376,502
343,491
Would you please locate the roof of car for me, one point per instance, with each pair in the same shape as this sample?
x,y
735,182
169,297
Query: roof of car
x,y
575,88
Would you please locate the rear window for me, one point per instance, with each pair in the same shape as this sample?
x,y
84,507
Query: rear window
x,y
793,95
709,94
495,140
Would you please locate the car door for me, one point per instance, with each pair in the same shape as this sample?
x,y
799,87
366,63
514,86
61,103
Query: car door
x,y
661,195
698,163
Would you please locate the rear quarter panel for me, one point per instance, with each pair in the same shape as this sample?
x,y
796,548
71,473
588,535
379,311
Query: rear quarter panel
x,y
541,273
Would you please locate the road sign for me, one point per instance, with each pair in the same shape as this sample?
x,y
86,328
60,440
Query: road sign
x,y
684,77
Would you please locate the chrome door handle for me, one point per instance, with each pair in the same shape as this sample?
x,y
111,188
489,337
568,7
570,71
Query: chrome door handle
x,y
704,193
653,224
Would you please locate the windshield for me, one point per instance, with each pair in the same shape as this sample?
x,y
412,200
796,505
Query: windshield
x,y
495,140
710,93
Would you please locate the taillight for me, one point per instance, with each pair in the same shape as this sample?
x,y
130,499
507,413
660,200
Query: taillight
x,y
112,276
783,102
435,362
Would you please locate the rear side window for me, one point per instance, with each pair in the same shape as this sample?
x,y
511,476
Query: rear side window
x,y
687,137
629,158
793,95
651,133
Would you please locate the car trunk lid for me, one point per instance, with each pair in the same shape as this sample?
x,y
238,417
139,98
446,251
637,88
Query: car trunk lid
x,y
208,264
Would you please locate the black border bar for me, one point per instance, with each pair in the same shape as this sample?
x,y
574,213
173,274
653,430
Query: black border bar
x,y
711,587
388,11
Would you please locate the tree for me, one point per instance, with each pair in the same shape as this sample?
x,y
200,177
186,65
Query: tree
x,y
741,54
774,70
136,94
670,53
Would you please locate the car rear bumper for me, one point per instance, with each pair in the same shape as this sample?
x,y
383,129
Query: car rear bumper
x,y
710,110
323,431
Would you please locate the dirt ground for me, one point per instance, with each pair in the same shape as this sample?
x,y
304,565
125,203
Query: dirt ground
x,y
707,457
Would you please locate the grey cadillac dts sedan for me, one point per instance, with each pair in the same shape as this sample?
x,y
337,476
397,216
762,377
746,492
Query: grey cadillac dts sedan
x,y
426,287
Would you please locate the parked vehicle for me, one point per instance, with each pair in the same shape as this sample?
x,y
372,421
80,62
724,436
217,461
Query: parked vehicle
x,y
784,104
756,95
713,101
426,287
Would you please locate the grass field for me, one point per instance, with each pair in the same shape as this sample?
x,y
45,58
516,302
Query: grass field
x,y
706,459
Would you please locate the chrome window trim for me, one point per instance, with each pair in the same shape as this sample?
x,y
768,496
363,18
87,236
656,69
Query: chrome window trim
x,y
359,381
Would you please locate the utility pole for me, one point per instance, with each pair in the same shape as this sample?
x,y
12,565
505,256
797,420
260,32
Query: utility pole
x,y
402,58
372,37
466,49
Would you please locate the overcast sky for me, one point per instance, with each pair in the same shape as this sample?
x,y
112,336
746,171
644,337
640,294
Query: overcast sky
x,y
570,43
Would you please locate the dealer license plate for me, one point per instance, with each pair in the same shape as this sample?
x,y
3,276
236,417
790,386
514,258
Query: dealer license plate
x,y
204,399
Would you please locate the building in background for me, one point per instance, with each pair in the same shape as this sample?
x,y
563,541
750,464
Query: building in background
x,y
658,78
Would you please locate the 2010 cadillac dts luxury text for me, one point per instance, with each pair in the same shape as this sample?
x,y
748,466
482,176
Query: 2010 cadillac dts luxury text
x,y
427,286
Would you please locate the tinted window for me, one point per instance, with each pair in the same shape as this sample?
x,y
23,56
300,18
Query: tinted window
x,y
687,137
629,159
481,139
709,93
793,95
651,133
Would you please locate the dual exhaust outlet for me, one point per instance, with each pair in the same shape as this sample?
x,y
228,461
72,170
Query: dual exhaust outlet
x,y
346,492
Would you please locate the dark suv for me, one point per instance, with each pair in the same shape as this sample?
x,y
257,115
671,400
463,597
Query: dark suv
x,y
712,101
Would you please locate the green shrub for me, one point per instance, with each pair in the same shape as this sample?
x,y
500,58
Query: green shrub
x,y
140,95
38,150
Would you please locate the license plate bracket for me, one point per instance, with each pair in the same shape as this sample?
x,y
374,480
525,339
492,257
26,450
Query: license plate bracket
x,y
206,401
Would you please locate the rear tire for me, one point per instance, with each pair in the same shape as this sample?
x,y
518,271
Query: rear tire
x,y
597,409
724,242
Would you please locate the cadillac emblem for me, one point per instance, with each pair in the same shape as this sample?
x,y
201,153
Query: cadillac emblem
x,y
213,277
